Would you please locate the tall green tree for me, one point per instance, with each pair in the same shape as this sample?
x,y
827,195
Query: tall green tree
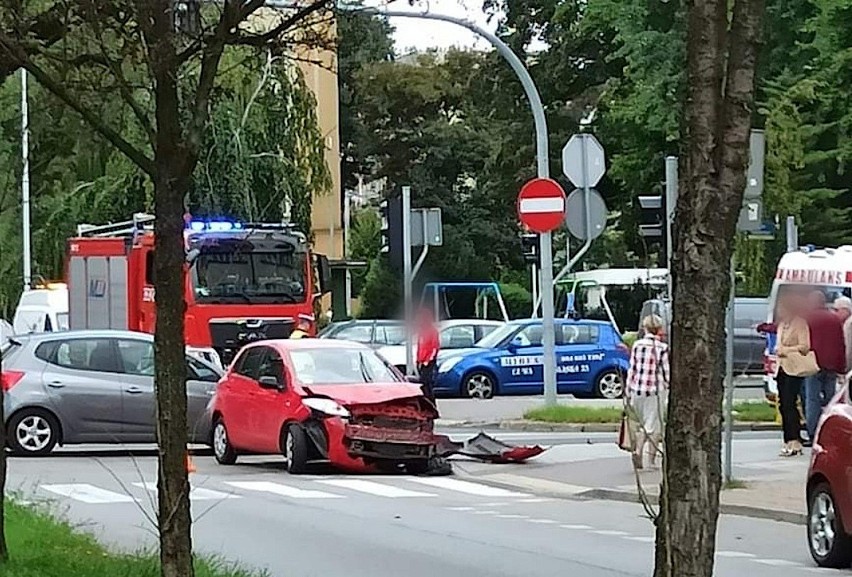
x,y
133,53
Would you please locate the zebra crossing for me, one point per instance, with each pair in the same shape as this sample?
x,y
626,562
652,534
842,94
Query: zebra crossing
x,y
419,488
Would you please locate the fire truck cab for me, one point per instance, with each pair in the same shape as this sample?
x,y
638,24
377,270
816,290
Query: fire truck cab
x,y
244,281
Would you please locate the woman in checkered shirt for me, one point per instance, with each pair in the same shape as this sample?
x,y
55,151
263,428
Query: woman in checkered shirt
x,y
647,389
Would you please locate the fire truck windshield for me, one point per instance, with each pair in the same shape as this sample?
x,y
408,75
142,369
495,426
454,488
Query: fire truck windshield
x,y
249,276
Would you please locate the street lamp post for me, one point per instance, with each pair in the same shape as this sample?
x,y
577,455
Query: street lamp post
x,y
542,163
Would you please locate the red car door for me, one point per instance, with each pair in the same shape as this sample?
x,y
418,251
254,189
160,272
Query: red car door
x,y
270,404
237,396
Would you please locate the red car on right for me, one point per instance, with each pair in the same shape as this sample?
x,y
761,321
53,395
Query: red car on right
x,y
829,488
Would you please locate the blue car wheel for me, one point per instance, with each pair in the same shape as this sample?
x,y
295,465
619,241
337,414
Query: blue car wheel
x,y
478,385
609,384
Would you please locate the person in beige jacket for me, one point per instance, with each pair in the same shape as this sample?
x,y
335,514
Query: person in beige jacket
x,y
793,345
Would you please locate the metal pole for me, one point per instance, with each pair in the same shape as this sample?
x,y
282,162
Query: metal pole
x,y
406,268
543,171
671,201
425,250
534,283
25,182
729,376
792,234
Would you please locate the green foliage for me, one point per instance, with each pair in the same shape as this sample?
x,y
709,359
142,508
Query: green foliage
x,y
264,154
381,294
41,546
518,300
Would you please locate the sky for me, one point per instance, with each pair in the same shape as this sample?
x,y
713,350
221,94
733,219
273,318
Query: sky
x,y
422,34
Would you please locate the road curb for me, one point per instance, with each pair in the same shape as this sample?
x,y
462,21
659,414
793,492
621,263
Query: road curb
x,y
571,492
793,517
542,427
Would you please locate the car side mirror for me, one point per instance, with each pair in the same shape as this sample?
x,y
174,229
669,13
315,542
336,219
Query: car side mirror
x,y
270,382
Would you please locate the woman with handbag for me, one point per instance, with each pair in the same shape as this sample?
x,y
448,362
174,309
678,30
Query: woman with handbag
x,y
647,388
796,361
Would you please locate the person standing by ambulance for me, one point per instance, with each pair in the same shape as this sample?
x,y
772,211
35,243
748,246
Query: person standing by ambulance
x,y
428,345
827,343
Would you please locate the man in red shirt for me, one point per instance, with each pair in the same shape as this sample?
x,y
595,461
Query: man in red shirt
x,y
428,345
827,343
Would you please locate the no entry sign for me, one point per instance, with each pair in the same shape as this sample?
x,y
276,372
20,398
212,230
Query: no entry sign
x,y
541,205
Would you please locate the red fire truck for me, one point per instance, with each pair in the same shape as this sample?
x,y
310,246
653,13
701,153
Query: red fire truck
x,y
244,281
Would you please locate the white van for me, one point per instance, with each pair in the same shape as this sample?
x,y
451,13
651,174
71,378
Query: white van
x,y
828,269
42,310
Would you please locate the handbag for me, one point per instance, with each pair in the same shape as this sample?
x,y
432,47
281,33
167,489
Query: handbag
x,y
799,365
625,436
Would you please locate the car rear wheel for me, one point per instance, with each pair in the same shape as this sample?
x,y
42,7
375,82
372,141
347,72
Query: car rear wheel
x,y
296,450
829,544
33,432
222,449
609,385
478,385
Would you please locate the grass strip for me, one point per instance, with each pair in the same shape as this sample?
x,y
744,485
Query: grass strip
x,y
42,546
749,412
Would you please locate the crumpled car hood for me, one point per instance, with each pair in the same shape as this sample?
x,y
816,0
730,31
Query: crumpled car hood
x,y
366,394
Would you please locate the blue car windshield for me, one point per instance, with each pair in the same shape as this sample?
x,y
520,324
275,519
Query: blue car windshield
x,y
497,336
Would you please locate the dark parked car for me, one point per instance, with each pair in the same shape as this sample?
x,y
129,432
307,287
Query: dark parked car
x,y
748,343
375,333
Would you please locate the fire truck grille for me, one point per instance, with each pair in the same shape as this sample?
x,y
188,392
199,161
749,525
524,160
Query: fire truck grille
x,y
229,336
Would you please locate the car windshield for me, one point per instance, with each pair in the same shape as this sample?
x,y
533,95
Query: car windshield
x,y
249,276
340,366
497,336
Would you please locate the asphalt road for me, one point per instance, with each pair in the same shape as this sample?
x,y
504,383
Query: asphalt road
x,y
328,524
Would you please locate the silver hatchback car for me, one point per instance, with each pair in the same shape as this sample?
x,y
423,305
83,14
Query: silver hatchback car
x,y
91,387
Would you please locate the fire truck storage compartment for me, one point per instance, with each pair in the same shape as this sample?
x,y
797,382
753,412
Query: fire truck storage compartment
x,y
97,292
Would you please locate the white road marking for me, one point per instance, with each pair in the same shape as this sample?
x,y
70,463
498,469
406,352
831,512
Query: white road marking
x,y
195,493
496,504
610,533
777,562
536,500
88,493
466,487
641,539
576,527
735,554
542,521
283,490
460,508
374,488
512,516
486,512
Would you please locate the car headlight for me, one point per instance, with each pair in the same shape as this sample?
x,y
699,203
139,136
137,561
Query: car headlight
x,y
448,364
326,406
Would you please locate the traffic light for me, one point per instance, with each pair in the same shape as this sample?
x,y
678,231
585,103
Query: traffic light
x,y
529,244
652,221
390,211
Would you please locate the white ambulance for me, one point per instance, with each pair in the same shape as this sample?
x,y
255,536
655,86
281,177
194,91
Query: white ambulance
x,y
42,309
828,269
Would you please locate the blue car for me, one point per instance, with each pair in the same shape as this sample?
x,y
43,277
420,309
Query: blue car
x,y
591,359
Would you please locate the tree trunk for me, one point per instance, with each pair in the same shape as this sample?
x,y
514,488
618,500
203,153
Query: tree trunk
x,y
720,74
175,521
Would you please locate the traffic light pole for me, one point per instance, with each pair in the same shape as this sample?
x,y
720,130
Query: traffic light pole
x,y
671,202
407,277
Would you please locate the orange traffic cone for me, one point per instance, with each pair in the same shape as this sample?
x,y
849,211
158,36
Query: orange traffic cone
x,y
190,466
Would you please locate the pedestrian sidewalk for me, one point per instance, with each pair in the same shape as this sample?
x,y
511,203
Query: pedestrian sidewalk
x,y
766,486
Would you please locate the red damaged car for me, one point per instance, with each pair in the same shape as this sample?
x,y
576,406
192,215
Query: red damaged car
x,y
326,400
